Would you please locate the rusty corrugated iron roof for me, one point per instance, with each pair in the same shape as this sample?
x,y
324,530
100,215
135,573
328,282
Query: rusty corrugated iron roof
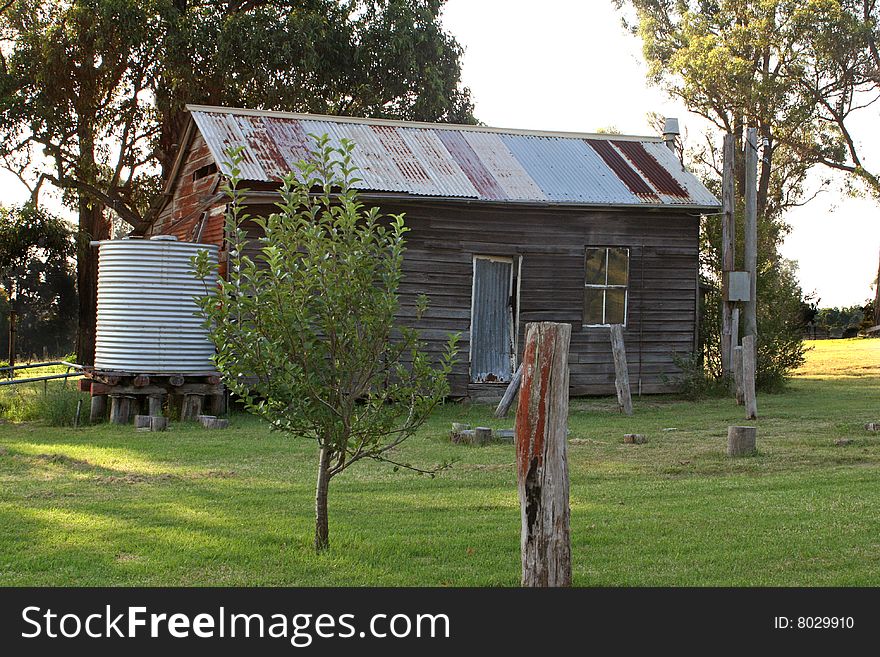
x,y
457,161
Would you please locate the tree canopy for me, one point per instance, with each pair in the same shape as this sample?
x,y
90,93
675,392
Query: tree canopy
x,y
36,279
92,92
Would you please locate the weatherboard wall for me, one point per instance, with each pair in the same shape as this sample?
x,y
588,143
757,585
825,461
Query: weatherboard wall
x,y
661,326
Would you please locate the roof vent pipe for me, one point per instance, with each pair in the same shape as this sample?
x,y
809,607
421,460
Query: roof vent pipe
x,y
671,132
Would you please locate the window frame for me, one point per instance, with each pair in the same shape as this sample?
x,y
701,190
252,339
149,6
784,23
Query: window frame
x,y
606,286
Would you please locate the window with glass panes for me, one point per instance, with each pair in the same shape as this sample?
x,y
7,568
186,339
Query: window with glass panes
x,y
605,285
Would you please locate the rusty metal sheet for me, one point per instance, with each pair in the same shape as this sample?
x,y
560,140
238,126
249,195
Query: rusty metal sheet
x,y
221,132
697,194
503,167
447,177
290,140
660,178
481,179
622,169
263,148
568,171
376,170
460,161
411,169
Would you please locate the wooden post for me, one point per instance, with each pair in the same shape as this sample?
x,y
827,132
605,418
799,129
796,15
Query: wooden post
x,y
120,409
750,246
738,375
749,397
213,422
509,394
155,404
482,436
98,409
728,248
12,316
621,374
192,407
542,465
741,441
217,404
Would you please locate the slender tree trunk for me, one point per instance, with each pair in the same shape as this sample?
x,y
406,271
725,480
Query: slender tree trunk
x,y
93,225
877,298
322,528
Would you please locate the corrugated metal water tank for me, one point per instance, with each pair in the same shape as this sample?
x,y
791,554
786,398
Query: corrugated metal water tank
x,y
147,320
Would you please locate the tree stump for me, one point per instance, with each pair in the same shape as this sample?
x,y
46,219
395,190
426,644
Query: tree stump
x,y
142,422
542,466
749,371
213,422
192,407
155,404
120,409
482,436
621,373
158,423
741,441
98,409
738,377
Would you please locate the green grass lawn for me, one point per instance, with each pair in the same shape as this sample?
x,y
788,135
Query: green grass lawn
x,y
110,506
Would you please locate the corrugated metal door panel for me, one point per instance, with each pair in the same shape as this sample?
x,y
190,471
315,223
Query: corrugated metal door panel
x,y
491,321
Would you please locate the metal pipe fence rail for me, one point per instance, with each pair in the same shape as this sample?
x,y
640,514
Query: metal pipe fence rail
x,y
11,369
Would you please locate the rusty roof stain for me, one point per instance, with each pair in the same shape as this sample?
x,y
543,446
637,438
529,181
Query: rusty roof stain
x,y
456,161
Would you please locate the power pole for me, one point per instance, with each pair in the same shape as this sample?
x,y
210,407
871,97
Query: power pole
x,y
750,250
728,252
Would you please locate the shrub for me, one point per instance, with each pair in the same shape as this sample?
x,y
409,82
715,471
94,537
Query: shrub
x,y
56,406
695,382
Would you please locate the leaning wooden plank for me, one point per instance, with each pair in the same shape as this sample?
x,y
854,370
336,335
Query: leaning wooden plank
x,y
509,394
621,374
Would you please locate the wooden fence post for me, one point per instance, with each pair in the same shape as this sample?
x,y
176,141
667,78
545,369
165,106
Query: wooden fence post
x,y
621,374
542,465
749,366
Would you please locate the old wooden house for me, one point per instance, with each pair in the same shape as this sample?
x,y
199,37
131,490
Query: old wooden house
x,y
507,227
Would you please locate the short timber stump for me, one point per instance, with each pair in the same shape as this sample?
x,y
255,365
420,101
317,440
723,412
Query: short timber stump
x,y
742,441
124,395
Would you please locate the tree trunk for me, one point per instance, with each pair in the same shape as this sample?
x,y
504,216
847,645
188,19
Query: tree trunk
x,y
877,298
322,528
93,225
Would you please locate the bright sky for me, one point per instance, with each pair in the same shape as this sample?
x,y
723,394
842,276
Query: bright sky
x,y
569,65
